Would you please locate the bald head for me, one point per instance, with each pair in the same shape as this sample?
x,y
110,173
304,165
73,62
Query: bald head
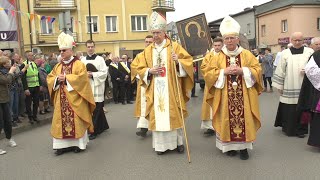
x,y
315,43
297,39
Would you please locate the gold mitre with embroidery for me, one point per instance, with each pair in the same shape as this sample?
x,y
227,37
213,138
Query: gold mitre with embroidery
x,y
65,41
157,21
229,26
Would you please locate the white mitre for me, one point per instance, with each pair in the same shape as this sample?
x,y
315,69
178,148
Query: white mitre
x,y
65,41
229,26
157,21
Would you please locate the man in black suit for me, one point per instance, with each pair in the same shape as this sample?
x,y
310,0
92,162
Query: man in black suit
x,y
117,79
124,67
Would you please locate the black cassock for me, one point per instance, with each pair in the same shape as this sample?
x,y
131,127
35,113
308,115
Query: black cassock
x,y
308,101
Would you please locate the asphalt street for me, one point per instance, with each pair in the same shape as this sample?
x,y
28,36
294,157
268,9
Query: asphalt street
x,y
120,154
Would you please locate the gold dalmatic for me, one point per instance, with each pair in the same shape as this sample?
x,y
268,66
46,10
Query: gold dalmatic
x,y
67,114
235,103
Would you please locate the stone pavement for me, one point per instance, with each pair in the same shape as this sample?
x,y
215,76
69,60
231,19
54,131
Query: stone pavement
x,y
44,120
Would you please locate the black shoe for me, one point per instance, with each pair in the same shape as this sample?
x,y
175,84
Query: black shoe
x,y
129,102
47,110
77,149
244,155
14,124
59,152
116,102
160,153
209,132
124,103
31,122
142,132
92,136
18,120
22,115
232,153
194,96
180,149
36,120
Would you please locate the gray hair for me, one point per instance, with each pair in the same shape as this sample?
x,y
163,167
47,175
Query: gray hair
x,y
313,40
7,53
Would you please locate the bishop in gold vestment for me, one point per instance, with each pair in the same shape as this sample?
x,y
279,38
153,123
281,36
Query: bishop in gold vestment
x,y
234,82
163,62
73,100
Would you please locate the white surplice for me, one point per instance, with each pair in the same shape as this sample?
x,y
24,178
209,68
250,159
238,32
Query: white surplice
x,y
98,79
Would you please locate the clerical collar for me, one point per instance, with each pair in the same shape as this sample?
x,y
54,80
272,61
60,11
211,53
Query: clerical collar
x,y
161,44
68,61
297,50
92,57
234,53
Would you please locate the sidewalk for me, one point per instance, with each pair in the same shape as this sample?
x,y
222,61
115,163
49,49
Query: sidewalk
x,y
25,125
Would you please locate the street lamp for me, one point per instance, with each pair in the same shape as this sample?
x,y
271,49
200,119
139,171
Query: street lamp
x,y
90,23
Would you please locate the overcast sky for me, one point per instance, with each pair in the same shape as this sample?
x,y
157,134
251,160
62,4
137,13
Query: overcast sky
x,y
214,9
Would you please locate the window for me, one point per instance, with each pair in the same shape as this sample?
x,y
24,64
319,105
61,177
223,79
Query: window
x,y
111,23
46,27
284,26
93,23
263,30
139,23
249,28
318,23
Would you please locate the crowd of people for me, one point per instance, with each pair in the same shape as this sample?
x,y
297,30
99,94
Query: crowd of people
x,y
24,89
160,80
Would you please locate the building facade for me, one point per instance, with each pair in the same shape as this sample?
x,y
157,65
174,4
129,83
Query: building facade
x,y
278,19
246,19
117,26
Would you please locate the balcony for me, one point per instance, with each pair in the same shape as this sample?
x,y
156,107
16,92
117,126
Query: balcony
x,y
54,5
51,39
163,5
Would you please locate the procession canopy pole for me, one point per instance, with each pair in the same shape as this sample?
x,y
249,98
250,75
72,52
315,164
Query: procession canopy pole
x,y
181,111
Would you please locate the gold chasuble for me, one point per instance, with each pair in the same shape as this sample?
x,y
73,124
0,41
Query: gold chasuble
x,y
73,101
206,110
134,73
161,90
236,116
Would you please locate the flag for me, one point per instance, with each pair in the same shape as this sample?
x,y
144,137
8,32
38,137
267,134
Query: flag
x,y
52,20
31,17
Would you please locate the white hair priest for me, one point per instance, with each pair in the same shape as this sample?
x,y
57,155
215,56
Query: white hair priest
x,y
165,62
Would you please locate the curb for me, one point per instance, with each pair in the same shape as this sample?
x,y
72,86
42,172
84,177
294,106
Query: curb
x,y
26,126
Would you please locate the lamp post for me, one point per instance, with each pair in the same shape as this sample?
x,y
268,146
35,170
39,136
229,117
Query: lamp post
x,y
90,23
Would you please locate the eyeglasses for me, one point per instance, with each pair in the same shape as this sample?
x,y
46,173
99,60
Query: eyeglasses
x,y
229,38
63,50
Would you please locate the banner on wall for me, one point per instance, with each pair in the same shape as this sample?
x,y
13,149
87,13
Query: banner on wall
x,y
8,27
